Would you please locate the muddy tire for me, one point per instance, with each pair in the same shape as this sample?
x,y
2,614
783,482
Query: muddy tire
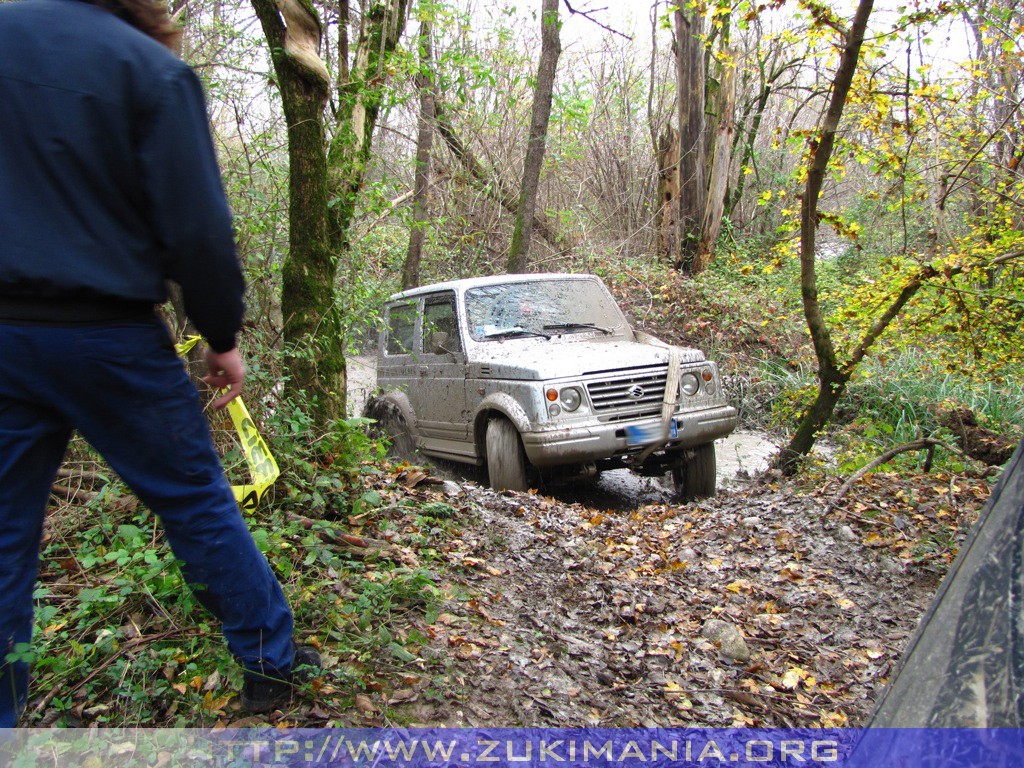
x,y
695,478
392,424
506,461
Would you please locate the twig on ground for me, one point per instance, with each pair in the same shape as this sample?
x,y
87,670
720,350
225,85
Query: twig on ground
x,y
68,493
925,443
357,545
128,646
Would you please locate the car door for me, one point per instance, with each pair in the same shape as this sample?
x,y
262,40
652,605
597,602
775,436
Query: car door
x,y
438,394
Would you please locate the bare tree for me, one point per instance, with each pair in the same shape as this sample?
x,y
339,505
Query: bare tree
x,y
551,48
424,147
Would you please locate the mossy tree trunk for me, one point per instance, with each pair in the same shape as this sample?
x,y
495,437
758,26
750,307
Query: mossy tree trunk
x,y
359,103
324,180
316,363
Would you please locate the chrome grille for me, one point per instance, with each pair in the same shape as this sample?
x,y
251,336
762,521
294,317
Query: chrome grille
x,y
629,395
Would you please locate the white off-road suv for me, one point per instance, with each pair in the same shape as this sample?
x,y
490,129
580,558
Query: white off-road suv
x,y
531,375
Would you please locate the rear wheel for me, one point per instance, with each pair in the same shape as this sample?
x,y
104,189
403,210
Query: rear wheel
x,y
695,478
506,461
392,424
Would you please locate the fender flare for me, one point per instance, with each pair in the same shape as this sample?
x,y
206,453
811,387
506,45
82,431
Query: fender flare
x,y
507,406
397,400
501,403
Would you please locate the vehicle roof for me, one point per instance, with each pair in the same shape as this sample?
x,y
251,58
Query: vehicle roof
x,y
461,286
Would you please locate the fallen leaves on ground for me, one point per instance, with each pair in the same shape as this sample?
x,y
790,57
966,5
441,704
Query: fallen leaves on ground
x,y
563,615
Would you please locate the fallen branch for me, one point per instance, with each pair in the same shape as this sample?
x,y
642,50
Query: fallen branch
x,y
491,183
925,443
73,494
83,474
357,545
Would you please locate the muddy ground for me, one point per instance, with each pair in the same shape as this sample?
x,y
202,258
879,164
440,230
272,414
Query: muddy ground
x,y
608,604
753,608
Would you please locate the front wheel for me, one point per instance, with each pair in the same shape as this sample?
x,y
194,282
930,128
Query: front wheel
x,y
695,479
506,460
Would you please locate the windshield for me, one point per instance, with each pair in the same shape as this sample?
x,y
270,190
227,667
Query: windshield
x,y
541,308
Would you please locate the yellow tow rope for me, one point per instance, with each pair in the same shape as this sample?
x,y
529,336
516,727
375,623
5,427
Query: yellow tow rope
x,y
261,462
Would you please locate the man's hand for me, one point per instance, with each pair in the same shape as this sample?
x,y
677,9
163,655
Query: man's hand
x,y
227,371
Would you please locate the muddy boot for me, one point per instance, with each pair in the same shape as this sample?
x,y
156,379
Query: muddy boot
x,y
264,693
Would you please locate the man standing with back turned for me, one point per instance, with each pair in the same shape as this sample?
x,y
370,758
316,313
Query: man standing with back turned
x,y
108,187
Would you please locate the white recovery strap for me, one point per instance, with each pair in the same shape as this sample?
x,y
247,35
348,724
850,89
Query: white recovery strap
x,y
671,399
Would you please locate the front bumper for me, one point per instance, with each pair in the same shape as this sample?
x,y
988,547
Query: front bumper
x,y
582,444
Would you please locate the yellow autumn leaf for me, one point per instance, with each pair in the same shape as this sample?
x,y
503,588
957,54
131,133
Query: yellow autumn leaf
x,y
211,704
833,720
793,677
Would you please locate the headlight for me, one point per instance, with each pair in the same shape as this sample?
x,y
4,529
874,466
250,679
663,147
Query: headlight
x,y
689,384
571,398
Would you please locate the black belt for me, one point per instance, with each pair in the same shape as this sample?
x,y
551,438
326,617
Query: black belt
x,y
71,310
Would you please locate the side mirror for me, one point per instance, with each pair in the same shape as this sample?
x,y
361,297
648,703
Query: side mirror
x,y
438,340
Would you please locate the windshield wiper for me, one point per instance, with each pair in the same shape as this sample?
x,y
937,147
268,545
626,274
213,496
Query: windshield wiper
x,y
514,332
576,327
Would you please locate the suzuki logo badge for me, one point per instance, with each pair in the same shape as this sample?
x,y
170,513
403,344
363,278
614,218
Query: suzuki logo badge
x,y
635,392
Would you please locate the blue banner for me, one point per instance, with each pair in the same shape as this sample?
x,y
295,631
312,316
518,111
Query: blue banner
x,y
513,748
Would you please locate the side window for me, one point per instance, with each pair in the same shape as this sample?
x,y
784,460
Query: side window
x,y
440,326
401,329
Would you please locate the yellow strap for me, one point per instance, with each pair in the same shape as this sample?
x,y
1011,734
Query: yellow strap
x,y
261,462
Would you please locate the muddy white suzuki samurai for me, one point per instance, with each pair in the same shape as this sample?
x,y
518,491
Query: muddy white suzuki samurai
x,y
533,374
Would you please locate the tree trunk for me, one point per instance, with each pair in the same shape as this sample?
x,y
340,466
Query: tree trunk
x,y
668,194
831,380
721,163
551,48
322,184
692,144
311,334
424,146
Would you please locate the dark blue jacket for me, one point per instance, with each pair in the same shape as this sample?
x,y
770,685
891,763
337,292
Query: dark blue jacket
x,y
108,180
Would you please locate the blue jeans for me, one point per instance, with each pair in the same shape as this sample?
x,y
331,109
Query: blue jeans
x,y
127,393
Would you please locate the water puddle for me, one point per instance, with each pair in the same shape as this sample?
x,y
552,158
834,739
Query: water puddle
x,y
742,455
